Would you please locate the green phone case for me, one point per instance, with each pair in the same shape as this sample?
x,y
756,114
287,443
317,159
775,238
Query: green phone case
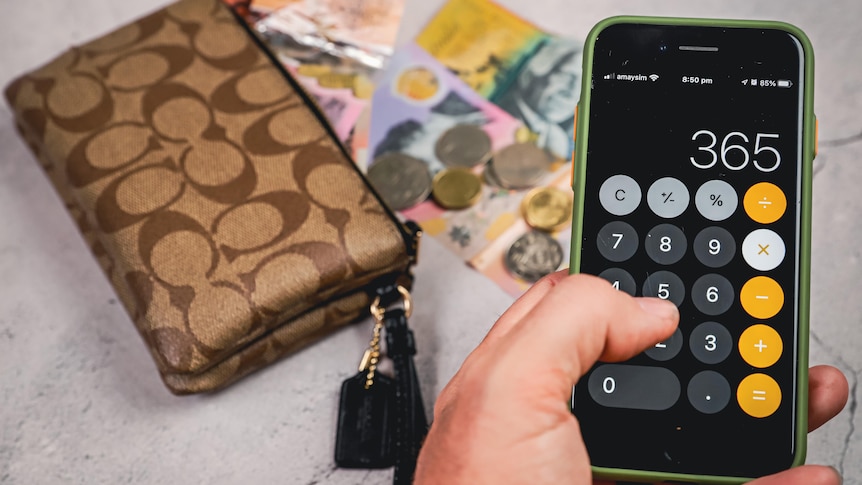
x,y
808,151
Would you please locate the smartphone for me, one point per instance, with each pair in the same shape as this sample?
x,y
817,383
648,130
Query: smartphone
x,y
692,181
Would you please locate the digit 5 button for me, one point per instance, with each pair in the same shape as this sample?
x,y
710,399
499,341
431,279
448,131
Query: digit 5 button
x,y
764,203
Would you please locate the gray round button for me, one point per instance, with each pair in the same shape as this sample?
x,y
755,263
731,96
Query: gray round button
x,y
714,247
708,391
716,200
620,195
712,294
620,279
665,244
668,197
710,342
667,349
617,241
665,285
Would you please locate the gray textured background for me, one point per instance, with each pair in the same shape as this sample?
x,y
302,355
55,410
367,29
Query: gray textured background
x,y
80,400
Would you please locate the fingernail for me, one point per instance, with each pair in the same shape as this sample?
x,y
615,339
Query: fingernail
x,y
658,307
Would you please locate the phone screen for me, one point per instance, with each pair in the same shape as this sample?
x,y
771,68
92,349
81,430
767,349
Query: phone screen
x,y
692,189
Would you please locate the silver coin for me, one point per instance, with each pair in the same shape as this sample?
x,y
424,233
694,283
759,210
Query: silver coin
x,y
463,146
402,181
521,165
534,255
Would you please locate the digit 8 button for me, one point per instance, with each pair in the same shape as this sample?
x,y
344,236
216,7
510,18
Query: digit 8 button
x,y
764,203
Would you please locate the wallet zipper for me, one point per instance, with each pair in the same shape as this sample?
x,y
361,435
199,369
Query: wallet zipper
x,y
410,231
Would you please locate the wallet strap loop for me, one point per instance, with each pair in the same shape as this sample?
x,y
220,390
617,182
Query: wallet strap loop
x,y
411,425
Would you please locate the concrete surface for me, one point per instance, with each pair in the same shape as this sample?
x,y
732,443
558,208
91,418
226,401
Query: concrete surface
x,y
80,400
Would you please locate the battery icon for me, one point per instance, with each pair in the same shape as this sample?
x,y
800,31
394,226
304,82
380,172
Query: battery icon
x,y
784,83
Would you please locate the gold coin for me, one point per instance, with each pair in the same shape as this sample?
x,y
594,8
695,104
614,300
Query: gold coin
x,y
547,208
363,88
336,80
417,83
313,70
524,135
456,188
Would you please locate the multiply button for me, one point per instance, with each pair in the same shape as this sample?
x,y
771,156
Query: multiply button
x,y
760,346
668,197
762,297
620,195
763,249
764,203
758,395
634,387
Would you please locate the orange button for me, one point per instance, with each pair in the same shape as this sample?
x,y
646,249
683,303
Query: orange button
x,y
764,203
758,395
762,297
760,346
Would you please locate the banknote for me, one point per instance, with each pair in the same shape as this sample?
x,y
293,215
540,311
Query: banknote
x,y
533,75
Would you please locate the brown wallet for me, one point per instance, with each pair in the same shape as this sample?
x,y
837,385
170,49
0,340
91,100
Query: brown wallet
x,y
225,212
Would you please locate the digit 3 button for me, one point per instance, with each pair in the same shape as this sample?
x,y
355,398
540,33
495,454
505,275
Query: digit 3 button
x,y
764,203
758,395
763,249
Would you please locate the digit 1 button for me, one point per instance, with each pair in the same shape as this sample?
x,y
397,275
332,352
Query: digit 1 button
x,y
761,297
760,346
620,279
758,395
665,285
665,244
764,203
763,249
617,241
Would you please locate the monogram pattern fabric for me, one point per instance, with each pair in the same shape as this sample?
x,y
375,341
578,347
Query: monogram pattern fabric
x,y
231,224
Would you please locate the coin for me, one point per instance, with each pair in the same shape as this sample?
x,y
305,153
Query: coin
x,y
534,255
401,180
456,188
547,208
463,146
521,165
489,177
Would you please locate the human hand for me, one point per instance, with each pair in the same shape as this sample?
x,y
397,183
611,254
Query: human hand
x,y
505,417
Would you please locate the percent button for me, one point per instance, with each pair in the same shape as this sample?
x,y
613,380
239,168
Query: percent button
x,y
716,200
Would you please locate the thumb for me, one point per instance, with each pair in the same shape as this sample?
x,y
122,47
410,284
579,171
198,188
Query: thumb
x,y
584,319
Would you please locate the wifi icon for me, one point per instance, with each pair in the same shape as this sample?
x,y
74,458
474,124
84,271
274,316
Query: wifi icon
x,y
653,77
